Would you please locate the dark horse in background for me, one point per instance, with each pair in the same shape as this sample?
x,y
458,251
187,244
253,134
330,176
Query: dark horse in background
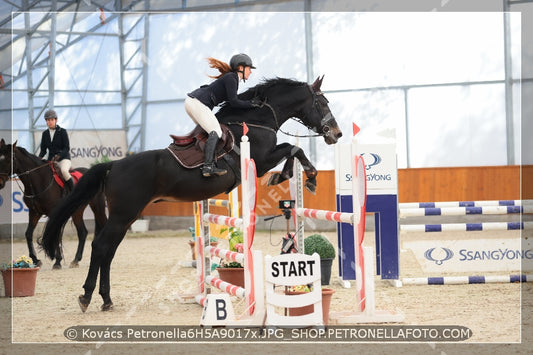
x,y
42,194
133,182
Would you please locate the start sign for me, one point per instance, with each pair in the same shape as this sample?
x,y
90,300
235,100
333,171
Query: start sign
x,y
292,269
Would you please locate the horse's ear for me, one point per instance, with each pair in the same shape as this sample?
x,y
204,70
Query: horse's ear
x,y
2,143
317,84
15,144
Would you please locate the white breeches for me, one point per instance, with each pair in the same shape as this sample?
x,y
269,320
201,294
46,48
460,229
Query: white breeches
x,y
64,166
202,115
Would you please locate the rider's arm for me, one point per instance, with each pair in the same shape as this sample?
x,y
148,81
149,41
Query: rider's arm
x,y
64,152
43,147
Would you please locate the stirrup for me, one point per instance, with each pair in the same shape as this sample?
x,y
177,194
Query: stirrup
x,y
210,170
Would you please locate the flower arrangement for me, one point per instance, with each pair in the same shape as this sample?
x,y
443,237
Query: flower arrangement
x,y
236,240
22,262
300,288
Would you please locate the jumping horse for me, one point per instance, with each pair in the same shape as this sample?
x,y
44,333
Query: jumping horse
x,y
133,182
41,194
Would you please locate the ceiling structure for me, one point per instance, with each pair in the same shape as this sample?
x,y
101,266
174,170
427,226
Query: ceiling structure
x,y
30,28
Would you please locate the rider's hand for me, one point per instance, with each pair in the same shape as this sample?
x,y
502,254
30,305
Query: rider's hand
x,y
256,102
56,157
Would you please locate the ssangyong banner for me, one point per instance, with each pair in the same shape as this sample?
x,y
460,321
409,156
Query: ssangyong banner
x,y
14,210
441,256
12,207
90,147
380,164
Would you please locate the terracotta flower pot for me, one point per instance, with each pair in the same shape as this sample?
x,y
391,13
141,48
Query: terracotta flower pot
x,y
20,282
299,311
232,275
327,293
326,302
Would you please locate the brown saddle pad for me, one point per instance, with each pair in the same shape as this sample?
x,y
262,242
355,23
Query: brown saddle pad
x,y
188,150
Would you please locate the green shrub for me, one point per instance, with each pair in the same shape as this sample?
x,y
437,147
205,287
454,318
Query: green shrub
x,y
319,244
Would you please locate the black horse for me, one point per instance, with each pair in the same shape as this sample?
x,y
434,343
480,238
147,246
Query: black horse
x,y
41,195
133,182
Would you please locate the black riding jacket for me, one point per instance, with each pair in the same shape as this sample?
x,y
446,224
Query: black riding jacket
x,y
60,145
223,89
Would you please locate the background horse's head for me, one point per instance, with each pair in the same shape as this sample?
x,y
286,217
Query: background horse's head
x,y
5,162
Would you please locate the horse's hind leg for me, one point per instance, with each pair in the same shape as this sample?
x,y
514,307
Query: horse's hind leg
x,y
97,255
77,218
97,205
103,250
32,222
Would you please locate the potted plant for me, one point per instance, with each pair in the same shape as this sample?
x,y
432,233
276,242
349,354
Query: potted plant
x,y
20,277
317,243
300,311
232,271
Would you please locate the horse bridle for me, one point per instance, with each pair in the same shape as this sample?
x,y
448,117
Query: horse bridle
x,y
324,123
27,172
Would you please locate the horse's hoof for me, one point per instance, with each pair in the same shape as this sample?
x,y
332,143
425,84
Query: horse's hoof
x,y
107,307
74,264
83,303
311,187
274,179
38,263
56,267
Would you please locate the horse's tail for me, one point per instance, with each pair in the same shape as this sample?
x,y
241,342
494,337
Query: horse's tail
x,y
89,185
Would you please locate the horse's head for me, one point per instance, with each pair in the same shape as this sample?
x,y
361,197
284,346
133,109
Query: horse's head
x,y
5,162
318,116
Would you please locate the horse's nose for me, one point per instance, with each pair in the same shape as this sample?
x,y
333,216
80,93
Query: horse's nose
x,y
339,134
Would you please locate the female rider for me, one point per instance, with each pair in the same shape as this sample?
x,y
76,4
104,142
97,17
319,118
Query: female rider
x,y
199,103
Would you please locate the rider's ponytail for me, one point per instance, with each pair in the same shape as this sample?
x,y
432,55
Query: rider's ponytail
x,y
222,67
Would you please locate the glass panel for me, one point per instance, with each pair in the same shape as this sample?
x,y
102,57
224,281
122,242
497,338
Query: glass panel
x,y
180,44
457,126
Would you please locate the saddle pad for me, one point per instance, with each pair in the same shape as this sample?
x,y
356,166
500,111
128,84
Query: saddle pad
x,y
76,175
193,156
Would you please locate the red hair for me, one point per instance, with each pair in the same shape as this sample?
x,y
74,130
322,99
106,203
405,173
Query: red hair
x,y
221,66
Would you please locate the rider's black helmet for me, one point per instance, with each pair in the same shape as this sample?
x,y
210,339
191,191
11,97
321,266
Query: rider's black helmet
x,y
50,114
240,59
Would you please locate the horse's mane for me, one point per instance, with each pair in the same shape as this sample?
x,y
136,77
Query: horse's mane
x,y
266,85
33,157
262,89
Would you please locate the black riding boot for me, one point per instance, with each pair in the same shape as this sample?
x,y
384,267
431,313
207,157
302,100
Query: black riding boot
x,y
70,185
209,167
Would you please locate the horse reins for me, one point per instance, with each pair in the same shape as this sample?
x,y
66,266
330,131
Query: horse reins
x,y
323,123
27,172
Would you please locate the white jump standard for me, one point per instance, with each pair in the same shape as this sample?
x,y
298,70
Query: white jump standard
x,y
218,310
364,265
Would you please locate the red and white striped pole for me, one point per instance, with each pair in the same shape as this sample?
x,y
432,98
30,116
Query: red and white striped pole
x,y
359,210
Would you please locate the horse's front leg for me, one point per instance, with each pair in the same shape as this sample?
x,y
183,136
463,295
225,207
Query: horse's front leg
x,y
286,173
289,152
32,222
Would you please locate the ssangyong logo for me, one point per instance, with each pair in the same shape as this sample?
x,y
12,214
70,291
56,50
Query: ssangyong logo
x,y
430,254
374,160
